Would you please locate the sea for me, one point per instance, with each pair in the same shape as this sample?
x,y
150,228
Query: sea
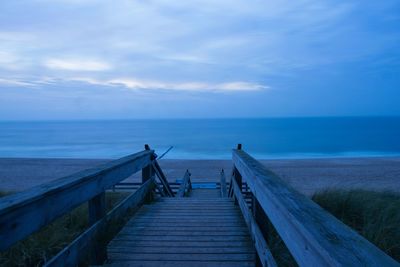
x,y
263,138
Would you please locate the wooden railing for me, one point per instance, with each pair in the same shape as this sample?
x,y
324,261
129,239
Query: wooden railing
x,y
312,235
186,185
223,188
24,213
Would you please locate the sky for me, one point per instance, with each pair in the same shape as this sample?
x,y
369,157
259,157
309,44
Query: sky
x,y
126,59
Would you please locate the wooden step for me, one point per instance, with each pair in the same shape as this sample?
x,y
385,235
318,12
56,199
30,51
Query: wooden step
x,y
184,232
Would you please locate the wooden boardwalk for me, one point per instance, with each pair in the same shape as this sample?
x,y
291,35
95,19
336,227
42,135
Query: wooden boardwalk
x,y
189,224
201,230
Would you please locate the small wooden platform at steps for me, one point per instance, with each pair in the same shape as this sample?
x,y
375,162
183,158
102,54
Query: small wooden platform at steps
x,y
193,231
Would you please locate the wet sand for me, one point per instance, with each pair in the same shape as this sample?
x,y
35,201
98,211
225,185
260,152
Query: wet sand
x,y
305,175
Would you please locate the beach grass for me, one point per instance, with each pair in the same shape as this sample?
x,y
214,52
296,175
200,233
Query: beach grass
x,y
44,244
374,215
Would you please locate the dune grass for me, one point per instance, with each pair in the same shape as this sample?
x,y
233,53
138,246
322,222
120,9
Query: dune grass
x,y
43,245
374,215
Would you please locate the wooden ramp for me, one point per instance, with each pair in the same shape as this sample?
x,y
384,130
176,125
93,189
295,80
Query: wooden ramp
x,y
206,230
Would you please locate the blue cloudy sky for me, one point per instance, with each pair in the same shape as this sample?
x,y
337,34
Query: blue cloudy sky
x,y
87,59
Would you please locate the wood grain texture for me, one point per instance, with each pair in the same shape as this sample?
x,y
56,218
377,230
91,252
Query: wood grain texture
x,y
313,236
23,213
167,188
75,252
185,186
223,184
263,251
193,236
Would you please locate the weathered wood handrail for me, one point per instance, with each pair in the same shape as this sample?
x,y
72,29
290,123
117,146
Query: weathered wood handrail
x,y
186,185
263,251
24,213
75,252
312,235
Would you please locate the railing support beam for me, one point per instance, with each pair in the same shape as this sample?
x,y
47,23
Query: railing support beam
x,y
97,210
147,174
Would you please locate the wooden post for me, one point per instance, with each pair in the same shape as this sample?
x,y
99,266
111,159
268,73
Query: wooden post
x,y
261,219
97,210
223,184
147,174
237,176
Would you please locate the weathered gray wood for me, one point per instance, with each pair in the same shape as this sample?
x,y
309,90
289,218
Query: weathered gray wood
x,y
77,250
183,257
163,178
227,228
23,213
147,174
192,232
313,236
263,251
179,263
223,184
184,188
123,247
97,210
260,217
178,245
179,223
239,181
155,234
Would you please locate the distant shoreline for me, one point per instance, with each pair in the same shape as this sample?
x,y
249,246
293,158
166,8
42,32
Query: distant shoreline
x,y
305,175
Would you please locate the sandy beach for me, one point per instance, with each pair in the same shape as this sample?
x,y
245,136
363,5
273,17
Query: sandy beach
x,y
305,175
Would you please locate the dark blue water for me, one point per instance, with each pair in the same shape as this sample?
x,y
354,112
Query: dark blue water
x,y
263,138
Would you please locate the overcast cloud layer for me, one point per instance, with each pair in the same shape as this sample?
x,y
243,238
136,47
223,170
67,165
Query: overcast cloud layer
x,y
77,59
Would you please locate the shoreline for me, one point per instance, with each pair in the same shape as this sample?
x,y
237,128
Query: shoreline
x,y
307,175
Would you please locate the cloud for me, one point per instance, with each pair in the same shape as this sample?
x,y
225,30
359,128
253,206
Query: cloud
x,y
15,82
137,84
77,65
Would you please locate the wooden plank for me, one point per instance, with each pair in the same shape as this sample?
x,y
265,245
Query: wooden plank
x,y
186,215
188,228
174,244
313,236
205,213
185,184
223,184
263,251
181,264
182,224
77,250
23,213
178,208
196,202
189,216
192,232
183,257
187,250
195,222
183,238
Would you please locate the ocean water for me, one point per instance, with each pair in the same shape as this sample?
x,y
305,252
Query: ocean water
x,y
204,138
